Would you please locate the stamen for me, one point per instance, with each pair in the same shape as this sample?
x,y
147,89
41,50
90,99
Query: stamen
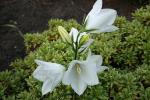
x,y
78,68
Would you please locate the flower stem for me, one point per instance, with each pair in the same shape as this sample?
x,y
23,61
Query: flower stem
x,y
74,96
76,52
76,48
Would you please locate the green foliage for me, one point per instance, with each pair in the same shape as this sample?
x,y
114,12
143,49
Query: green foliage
x,y
133,49
11,84
143,15
126,52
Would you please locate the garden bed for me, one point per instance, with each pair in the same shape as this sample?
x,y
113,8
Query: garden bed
x,y
33,15
126,52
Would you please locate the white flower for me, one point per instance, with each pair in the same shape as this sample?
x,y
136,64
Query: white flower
x,y
98,60
74,33
79,75
50,74
83,73
83,41
100,20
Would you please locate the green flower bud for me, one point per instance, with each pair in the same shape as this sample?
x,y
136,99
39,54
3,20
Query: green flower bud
x,y
84,39
64,34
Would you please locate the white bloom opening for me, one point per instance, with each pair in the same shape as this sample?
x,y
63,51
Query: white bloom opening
x,y
100,20
80,74
84,40
50,74
74,34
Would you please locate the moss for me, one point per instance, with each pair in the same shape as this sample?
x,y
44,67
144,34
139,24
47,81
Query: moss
x,y
143,15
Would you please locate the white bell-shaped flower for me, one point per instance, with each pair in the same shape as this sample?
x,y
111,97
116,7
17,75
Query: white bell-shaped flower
x,y
80,74
100,20
50,74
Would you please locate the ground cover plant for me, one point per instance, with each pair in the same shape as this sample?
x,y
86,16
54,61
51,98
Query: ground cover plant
x,y
126,52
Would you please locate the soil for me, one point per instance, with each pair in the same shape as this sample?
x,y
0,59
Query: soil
x,y
33,15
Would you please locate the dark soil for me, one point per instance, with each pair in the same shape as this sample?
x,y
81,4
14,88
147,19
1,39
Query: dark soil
x,y
33,16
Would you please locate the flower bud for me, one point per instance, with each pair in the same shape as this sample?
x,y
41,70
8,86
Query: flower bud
x,y
64,34
84,39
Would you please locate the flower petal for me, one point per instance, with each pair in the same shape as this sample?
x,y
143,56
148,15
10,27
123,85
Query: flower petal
x,y
98,60
67,76
78,86
43,70
95,59
74,33
47,87
48,66
105,17
49,73
40,74
110,16
89,74
70,73
51,83
72,77
96,9
94,22
101,68
86,45
107,28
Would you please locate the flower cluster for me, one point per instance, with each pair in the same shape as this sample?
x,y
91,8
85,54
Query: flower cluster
x,y
79,74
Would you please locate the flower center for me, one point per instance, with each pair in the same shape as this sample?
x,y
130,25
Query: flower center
x,y
78,68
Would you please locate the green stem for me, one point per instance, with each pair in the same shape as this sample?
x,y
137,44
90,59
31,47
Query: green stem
x,y
74,96
76,49
76,52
